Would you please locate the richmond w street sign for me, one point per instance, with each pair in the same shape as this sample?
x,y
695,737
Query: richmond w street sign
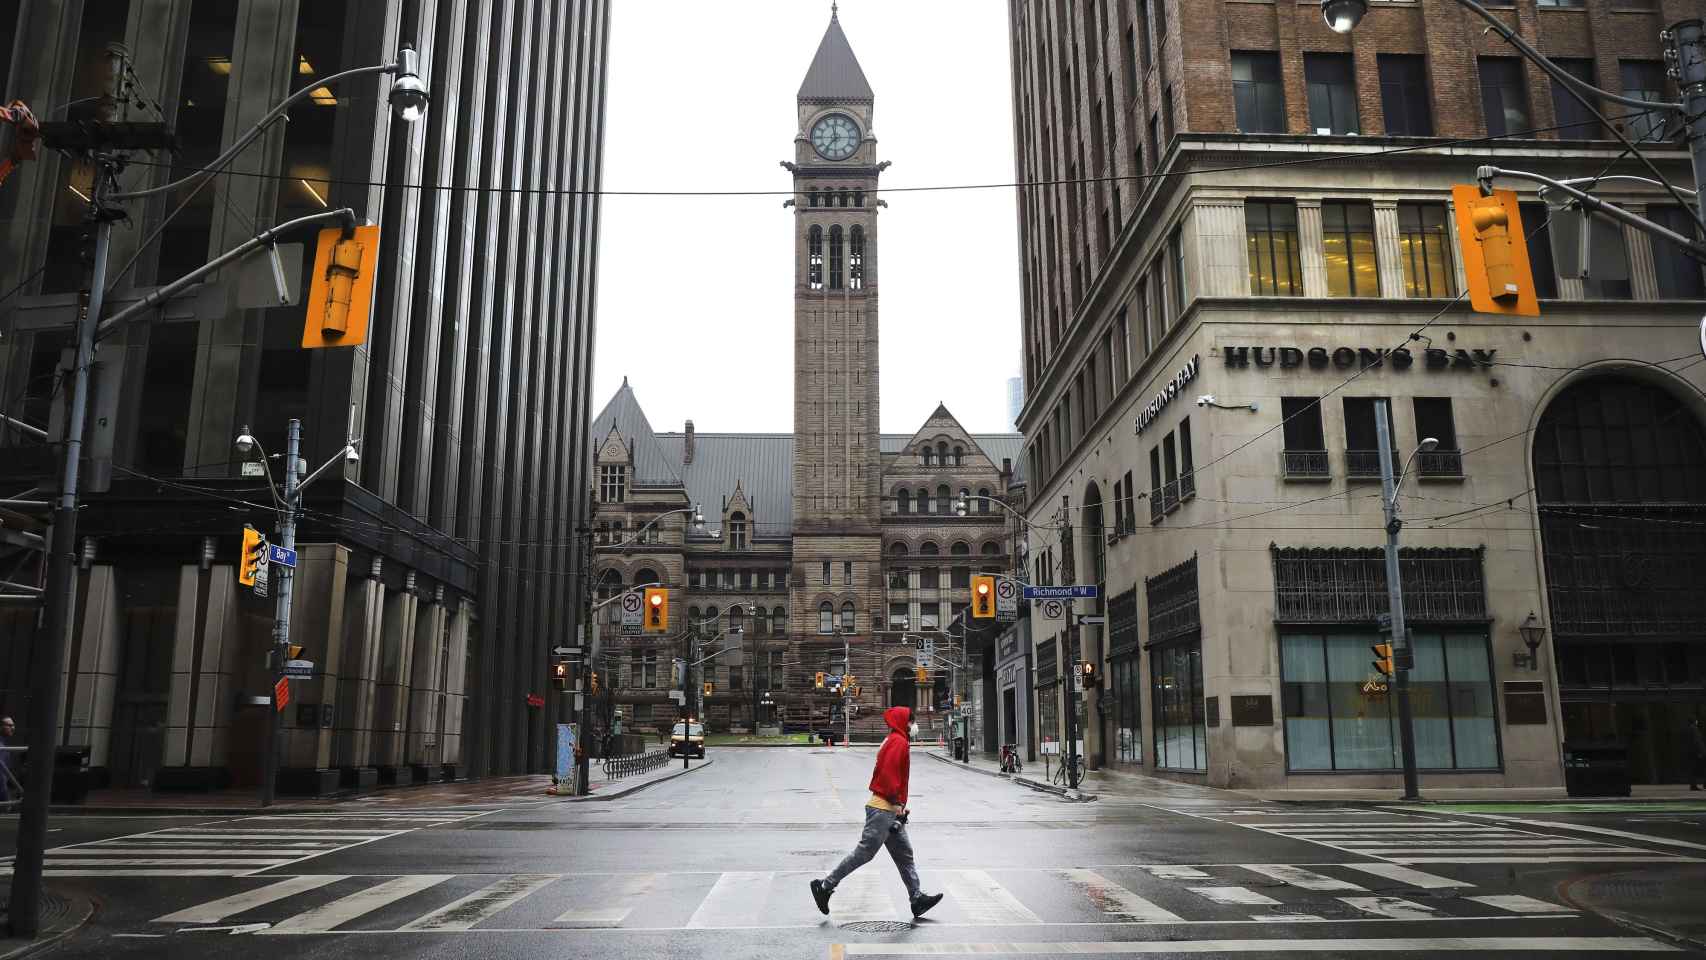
x,y
1079,592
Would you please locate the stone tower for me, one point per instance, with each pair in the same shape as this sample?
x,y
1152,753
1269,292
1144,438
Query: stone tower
x,y
837,462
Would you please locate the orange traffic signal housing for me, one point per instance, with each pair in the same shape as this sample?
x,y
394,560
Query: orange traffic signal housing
x,y
1494,247
983,597
254,547
340,293
657,610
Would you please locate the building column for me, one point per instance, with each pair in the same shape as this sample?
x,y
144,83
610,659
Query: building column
x,y
396,659
426,684
92,661
207,667
1643,272
363,613
1221,247
1388,251
1310,251
456,681
1451,241
316,623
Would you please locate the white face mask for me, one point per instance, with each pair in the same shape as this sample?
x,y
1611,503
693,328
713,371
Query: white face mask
x,y
912,729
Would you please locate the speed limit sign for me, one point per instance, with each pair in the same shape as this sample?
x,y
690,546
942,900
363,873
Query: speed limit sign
x,y
631,619
1006,600
1053,609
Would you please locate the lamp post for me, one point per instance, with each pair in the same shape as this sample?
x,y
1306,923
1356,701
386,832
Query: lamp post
x,y
1533,633
288,503
1403,656
409,99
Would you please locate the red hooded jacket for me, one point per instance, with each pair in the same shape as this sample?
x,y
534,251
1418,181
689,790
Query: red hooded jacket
x,y
894,758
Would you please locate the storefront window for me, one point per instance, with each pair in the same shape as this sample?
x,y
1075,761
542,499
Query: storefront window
x,y
1181,736
1128,734
1339,713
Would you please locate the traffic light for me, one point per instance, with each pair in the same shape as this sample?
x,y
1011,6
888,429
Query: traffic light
x,y
657,610
1383,658
1495,251
340,293
1090,675
560,675
710,688
922,675
293,651
983,597
819,680
592,682
254,552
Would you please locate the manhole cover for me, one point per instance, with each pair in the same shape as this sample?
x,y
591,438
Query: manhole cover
x,y
877,926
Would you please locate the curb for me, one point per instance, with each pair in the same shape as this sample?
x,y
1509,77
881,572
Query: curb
x,y
38,945
636,788
1036,785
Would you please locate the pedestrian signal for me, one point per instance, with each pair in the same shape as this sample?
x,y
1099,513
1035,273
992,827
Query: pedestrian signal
x,y
254,554
1383,658
710,688
560,675
983,597
1494,248
592,682
819,680
657,609
340,293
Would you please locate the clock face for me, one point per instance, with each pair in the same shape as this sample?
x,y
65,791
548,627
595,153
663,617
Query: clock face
x,y
835,137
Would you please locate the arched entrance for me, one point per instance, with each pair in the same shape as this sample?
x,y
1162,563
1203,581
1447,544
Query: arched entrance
x,y
1620,483
903,688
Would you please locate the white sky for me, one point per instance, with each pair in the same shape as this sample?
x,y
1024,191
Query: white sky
x,y
695,300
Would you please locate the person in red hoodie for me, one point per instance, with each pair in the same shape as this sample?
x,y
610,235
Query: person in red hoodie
x,y
885,818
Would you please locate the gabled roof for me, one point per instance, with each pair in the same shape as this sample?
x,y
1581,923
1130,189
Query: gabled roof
x,y
761,463
834,73
651,465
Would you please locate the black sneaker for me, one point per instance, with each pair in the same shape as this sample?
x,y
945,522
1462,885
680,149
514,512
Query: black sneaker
x,y
821,893
922,903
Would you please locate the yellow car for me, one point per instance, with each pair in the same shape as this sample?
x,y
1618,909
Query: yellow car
x,y
687,739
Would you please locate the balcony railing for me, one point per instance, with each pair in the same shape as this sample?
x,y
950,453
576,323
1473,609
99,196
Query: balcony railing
x,y
1362,464
1440,464
1187,486
1306,465
1156,507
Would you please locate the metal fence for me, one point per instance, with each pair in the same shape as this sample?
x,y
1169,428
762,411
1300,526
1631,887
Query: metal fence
x,y
618,767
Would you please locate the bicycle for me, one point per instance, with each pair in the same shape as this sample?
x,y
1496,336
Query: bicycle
x,y
1010,762
1074,764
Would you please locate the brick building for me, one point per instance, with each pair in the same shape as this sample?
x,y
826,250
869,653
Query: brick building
x,y
1243,208
833,531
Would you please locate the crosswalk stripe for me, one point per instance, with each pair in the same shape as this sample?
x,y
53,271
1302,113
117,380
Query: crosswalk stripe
x,y
270,836
1116,901
735,900
984,901
1414,878
1459,841
265,832
216,910
1592,853
1170,872
130,872
53,859
1394,907
862,896
1241,896
1299,877
183,851
482,904
595,917
1597,858
323,918
1476,945
1517,903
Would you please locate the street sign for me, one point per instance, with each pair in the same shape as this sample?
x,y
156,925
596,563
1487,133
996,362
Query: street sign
x,y
1091,620
283,556
299,669
1383,621
567,651
1078,592
261,578
253,468
1006,600
1051,609
281,694
632,618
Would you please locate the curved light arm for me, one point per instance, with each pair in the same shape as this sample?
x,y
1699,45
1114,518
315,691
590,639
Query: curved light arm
x,y
272,487
1558,73
698,523
344,454
1649,181
238,145
1487,173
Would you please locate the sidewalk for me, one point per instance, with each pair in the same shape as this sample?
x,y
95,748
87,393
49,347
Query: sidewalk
x,y
63,911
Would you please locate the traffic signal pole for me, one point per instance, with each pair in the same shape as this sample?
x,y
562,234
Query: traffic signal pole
x,y
281,607
1402,656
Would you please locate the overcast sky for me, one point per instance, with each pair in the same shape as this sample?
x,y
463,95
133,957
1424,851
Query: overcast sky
x,y
695,302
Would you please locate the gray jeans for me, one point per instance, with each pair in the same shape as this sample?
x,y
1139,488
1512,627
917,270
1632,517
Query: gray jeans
x,y
880,830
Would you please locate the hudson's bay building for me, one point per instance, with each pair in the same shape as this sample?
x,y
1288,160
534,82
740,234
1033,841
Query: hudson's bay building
x,y
1244,205
437,572
834,530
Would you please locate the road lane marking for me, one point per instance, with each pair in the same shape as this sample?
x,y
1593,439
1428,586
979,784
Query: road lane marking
x,y
1481,945
735,900
1299,877
1115,900
1414,878
1242,896
1170,872
323,918
482,904
1517,903
216,910
984,901
1396,908
1604,831
1598,858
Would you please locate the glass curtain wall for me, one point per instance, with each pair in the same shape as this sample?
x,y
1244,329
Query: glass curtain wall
x,y
1127,693
1181,735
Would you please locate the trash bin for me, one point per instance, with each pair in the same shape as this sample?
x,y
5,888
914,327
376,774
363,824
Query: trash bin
x,y
1596,768
70,775
960,748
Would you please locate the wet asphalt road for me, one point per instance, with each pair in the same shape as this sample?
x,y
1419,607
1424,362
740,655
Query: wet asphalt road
x,y
715,864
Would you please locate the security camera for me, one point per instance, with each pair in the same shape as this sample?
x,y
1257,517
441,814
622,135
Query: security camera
x,y
1205,399
350,456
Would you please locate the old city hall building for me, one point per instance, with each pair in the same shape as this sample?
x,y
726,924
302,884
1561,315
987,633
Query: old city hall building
x,y
835,532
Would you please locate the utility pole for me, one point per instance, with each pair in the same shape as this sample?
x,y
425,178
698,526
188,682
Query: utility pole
x,y
846,668
1687,53
1402,656
1071,679
281,606
589,647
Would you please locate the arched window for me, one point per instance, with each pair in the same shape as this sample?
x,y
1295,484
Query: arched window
x,y
711,618
847,617
646,575
813,195
942,452
904,498
923,500
737,531
929,549
844,198
856,258
692,615
959,454
609,585
858,198
982,499
929,578
929,457
761,620
835,255
991,548
944,498
737,620
897,549
814,256
779,620
826,617
960,549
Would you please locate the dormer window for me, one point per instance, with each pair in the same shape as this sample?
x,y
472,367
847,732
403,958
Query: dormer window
x,y
612,483
737,531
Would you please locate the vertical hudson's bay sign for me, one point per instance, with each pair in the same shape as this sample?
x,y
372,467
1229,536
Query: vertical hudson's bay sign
x,y
1319,358
1169,390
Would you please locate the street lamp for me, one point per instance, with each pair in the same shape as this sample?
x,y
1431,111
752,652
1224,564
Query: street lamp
x,y
409,96
1343,15
1403,655
1532,632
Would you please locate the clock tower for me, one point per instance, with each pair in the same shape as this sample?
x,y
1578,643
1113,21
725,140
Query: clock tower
x,y
837,502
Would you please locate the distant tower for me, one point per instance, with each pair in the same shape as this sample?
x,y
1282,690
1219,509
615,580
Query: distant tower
x,y
1015,401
